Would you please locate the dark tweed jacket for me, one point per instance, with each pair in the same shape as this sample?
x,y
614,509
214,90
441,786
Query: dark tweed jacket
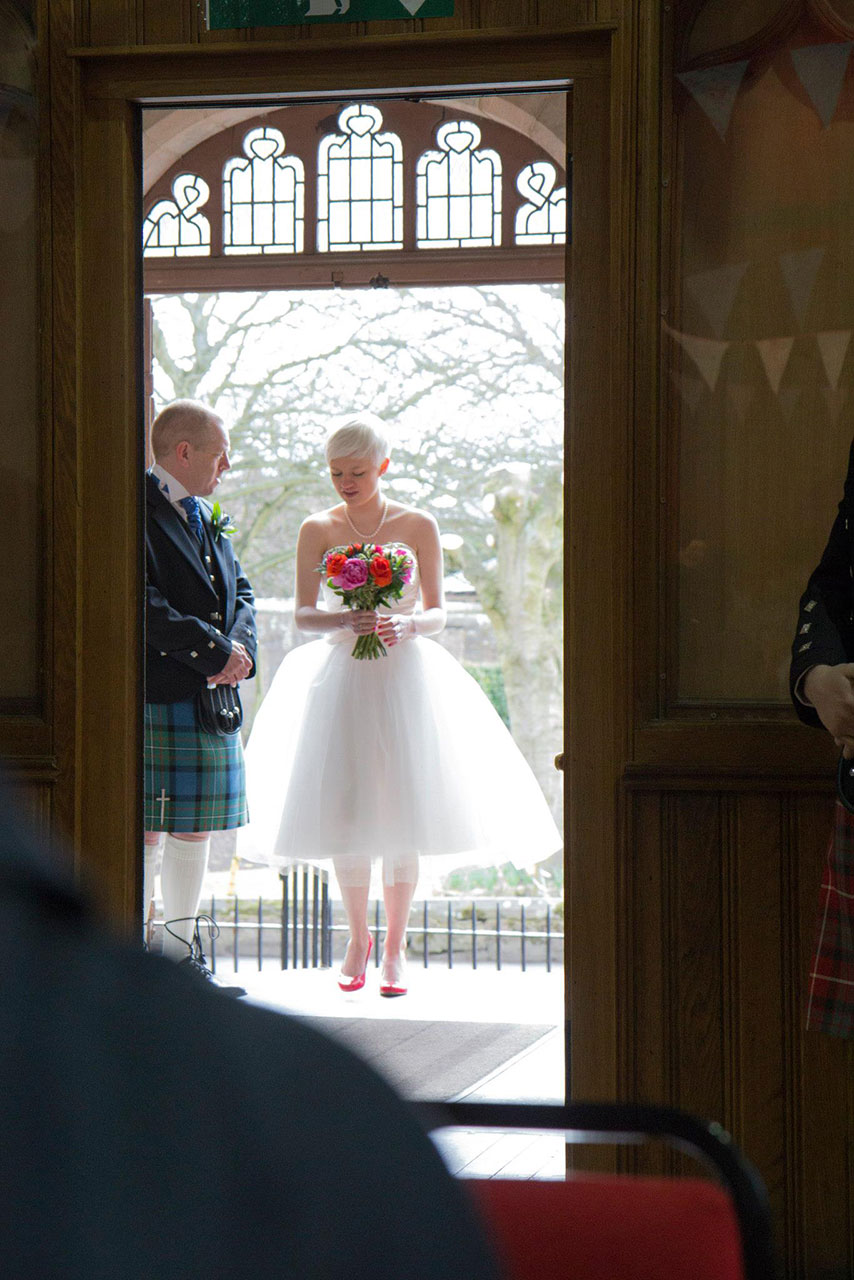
x,y
825,630
153,1127
195,605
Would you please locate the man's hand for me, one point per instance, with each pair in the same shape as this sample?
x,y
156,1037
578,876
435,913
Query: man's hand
x,y
831,692
237,668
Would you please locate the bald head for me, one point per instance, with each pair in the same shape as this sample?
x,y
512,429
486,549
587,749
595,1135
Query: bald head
x,y
190,442
183,420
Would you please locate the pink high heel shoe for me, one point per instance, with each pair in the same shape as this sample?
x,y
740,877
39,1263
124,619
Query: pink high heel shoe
x,y
346,983
396,986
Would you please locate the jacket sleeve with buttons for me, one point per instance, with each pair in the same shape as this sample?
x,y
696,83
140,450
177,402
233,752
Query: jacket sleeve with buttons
x,y
825,628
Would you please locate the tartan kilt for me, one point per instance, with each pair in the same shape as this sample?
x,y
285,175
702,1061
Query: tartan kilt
x,y
831,990
194,780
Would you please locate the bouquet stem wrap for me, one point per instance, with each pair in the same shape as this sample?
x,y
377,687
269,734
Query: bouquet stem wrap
x,y
368,576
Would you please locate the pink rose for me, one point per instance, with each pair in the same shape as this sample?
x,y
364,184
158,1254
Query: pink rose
x,y
354,574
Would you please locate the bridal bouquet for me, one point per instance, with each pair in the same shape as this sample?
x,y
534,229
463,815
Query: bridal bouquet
x,y
366,576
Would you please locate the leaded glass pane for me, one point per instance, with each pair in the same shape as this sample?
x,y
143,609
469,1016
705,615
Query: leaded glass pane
x,y
543,218
458,191
176,228
263,197
360,184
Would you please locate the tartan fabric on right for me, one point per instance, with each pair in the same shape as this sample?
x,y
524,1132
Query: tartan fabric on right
x,y
830,1007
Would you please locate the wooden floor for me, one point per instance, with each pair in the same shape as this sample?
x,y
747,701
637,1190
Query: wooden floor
x,y
535,1075
473,1153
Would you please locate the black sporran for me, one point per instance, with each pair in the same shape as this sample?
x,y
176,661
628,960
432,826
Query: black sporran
x,y
845,782
220,710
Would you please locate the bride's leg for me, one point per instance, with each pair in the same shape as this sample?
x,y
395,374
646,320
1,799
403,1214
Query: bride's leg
x,y
398,891
355,882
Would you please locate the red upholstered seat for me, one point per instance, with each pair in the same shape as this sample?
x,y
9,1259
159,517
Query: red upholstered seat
x,y
612,1228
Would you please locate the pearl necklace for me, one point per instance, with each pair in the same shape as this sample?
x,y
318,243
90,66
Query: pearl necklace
x,y
367,537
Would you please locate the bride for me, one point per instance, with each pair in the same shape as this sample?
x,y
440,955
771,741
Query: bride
x,y
391,759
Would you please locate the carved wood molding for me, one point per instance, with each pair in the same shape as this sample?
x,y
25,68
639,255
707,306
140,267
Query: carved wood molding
x,y
664,778
44,769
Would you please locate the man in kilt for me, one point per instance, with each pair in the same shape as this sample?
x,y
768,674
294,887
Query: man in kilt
x,y
822,685
200,629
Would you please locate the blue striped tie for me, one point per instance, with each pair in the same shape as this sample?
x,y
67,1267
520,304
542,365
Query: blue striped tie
x,y
194,520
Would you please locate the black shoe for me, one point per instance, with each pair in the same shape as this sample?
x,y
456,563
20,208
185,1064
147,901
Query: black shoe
x,y
198,966
196,962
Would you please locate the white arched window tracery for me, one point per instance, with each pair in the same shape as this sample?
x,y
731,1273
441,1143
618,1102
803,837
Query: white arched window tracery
x,y
263,197
361,179
458,191
360,184
175,228
542,219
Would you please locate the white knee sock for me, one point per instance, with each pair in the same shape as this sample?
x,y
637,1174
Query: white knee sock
x,y
352,871
149,873
181,876
401,868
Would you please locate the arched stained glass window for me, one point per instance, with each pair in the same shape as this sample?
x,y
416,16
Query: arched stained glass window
x,y
263,197
298,186
458,191
175,228
360,184
542,220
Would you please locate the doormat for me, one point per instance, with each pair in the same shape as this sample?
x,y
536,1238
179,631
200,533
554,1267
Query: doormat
x,y
432,1060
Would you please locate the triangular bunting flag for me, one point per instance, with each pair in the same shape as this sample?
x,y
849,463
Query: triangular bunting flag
x,y
835,402
715,90
705,352
715,292
690,388
739,396
788,398
775,354
833,346
800,270
412,5
821,70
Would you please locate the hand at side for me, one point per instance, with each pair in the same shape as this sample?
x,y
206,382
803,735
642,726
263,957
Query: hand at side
x,y
831,692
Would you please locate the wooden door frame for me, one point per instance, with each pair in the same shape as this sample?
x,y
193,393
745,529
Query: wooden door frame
x,y
113,85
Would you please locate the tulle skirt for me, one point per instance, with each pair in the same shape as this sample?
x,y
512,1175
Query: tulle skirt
x,y
395,757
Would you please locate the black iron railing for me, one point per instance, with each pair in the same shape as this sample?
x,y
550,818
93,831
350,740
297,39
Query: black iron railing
x,y
302,931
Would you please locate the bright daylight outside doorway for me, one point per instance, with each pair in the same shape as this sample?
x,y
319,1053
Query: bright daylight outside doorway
x,y
469,377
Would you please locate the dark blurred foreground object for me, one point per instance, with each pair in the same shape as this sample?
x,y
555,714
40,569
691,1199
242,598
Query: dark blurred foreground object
x,y
121,1160
594,1227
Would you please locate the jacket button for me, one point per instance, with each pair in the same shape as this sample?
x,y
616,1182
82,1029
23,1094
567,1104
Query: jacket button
x,y
193,654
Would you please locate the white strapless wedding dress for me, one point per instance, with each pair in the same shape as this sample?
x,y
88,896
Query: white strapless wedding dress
x,y
396,756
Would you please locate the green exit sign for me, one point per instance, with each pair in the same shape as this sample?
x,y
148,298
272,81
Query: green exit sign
x,y
287,13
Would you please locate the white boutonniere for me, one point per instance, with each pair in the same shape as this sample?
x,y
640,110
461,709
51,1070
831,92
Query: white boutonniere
x,y
221,523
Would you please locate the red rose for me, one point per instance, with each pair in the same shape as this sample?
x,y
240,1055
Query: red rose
x,y
334,564
380,571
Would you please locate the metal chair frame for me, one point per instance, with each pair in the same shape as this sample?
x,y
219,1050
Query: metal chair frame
x,y
633,1124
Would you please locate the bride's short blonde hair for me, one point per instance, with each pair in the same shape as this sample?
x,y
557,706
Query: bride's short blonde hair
x,y
361,437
